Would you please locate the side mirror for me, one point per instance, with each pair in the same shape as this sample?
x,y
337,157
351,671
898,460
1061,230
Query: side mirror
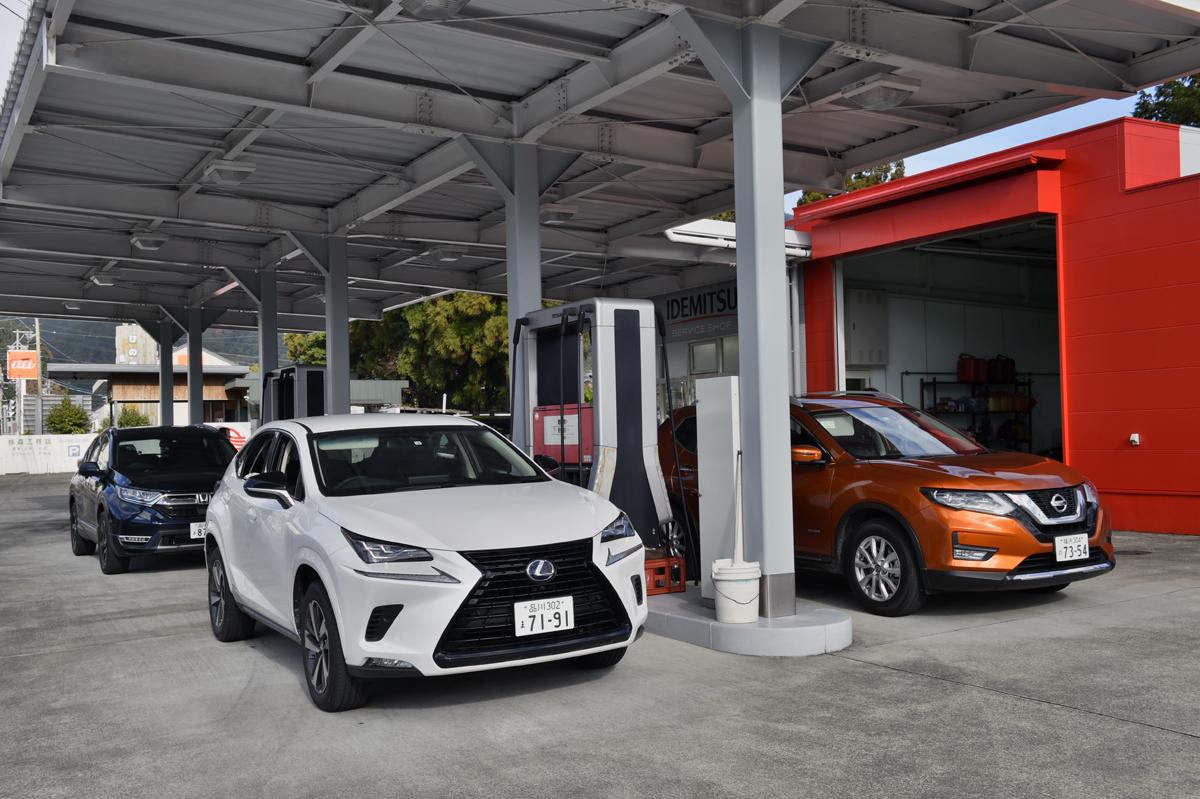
x,y
271,485
551,466
89,469
805,454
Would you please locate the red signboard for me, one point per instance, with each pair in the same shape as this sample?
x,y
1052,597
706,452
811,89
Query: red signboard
x,y
23,365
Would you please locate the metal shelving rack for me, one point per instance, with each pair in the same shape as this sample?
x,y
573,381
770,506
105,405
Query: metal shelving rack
x,y
982,425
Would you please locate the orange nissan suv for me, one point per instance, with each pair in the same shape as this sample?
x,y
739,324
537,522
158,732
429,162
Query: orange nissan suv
x,y
904,506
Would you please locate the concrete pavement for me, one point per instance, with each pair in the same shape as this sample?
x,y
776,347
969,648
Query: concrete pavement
x,y
114,686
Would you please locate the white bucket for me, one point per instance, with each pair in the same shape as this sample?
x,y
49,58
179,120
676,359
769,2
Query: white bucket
x,y
736,587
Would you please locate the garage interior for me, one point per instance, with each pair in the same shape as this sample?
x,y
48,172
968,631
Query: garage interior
x,y
911,313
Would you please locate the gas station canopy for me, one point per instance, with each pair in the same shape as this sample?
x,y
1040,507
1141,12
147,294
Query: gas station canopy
x,y
163,155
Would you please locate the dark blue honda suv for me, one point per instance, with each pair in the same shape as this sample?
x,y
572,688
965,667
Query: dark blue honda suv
x,y
145,490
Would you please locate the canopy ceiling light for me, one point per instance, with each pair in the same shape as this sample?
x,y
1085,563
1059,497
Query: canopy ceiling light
x,y
447,254
558,214
433,9
72,306
880,92
148,241
224,172
103,280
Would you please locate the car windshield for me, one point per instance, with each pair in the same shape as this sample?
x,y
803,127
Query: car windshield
x,y
894,432
173,452
378,461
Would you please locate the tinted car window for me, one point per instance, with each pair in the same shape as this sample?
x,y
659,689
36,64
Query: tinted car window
x,y
685,433
802,437
173,452
403,459
253,458
287,461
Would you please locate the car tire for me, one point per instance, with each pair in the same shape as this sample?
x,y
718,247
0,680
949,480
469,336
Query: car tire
x,y
228,621
882,570
1049,589
110,561
601,660
329,684
79,544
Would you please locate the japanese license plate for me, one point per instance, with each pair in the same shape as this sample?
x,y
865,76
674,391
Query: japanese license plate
x,y
1071,547
544,615
199,529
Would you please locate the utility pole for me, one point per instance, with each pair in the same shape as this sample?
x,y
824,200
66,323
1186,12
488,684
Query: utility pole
x,y
37,338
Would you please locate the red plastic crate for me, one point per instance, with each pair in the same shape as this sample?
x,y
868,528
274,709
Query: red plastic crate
x,y
665,576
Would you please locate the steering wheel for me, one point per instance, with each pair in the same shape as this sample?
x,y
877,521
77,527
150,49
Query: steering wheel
x,y
350,481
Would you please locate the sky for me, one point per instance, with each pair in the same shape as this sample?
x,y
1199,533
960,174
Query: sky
x,y
1022,133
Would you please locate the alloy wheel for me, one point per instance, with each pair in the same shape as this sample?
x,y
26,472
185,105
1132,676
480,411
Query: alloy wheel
x,y
74,525
216,593
877,568
102,541
316,646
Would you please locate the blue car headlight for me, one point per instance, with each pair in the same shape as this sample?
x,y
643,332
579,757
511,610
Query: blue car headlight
x,y
138,496
620,527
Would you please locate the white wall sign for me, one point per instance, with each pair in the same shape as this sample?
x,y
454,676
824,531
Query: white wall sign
x,y
42,454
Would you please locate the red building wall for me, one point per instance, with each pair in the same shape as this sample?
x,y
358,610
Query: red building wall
x,y
1129,294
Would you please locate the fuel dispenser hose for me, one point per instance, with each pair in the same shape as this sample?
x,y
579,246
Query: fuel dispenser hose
x,y
691,552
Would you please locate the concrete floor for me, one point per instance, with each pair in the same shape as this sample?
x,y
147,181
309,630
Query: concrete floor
x,y
113,686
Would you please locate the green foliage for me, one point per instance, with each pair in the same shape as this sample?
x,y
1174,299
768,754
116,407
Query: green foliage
x,y
1176,101
725,216
305,348
132,417
882,173
457,344
68,418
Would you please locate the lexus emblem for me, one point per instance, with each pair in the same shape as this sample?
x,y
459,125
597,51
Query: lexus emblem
x,y
540,571
1059,503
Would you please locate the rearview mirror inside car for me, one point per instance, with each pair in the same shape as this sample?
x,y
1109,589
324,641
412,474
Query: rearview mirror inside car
x,y
807,455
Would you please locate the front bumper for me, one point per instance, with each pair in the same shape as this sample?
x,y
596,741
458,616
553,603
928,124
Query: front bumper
x,y
417,641
1022,558
146,531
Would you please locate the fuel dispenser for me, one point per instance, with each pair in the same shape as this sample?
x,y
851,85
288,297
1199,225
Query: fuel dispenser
x,y
590,382
293,392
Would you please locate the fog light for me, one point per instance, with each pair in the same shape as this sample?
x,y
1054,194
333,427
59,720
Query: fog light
x,y
388,663
972,553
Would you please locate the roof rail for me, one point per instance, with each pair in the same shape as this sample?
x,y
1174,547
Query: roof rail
x,y
868,392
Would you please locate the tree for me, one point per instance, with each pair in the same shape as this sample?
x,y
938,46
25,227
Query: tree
x,y
881,173
457,344
132,417
1176,101
305,348
68,418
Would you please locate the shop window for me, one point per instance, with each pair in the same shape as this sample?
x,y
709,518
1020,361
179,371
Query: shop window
x,y
704,358
729,355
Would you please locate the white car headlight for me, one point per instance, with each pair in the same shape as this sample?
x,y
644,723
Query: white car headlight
x,y
373,551
620,527
979,501
138,496
1090,492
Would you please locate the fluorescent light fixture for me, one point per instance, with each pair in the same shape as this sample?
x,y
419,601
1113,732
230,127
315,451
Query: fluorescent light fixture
x,y
224,172
554,214
723,236
446,253
433,9
880,92
102,279
72,306
148,241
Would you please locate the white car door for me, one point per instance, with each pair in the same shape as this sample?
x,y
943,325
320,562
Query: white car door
x,y
240,541
270,532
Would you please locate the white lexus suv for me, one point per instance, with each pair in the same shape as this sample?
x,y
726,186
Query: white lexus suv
x,y
416,544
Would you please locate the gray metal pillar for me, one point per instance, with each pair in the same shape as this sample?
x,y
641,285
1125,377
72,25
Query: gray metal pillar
x,y
521,173
166,372
756,71
337,327
523,249
195,365
268,338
